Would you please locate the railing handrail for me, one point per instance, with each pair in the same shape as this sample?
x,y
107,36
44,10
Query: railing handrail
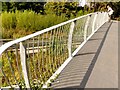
x,y
61,39
8,44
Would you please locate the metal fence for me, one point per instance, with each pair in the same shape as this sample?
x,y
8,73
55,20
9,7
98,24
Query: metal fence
x,y
35,60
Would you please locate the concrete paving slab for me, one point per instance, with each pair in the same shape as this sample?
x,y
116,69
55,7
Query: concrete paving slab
x,y
105,71
77,72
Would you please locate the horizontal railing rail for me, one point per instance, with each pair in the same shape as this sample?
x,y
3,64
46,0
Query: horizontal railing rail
x,y
35,60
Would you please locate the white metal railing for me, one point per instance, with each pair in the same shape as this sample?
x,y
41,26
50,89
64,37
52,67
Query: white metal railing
x,y
54,48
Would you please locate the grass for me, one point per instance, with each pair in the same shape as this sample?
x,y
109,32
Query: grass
x,y
40,65
43,73
19,24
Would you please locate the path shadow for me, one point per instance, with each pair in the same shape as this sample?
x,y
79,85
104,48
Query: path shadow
x,y
87,75
92,64
84,54
95,55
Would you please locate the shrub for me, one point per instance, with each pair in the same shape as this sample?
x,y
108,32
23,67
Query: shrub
x,y
19,24
8,20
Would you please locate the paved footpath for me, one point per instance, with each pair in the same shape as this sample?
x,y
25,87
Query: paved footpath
x,y
96,64
105,71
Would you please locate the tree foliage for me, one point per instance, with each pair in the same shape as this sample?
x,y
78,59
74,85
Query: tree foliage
x,y
33,16
102,6
12,6
59,8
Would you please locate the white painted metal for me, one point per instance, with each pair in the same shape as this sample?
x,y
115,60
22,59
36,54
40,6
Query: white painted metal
x,y
86,27
7,45
93,26
74,53
99,20
70,38
24,64
57,72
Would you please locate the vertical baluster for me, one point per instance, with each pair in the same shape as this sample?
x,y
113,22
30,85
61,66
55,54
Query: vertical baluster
x,y
49,52
52,48
86,27
70,38
38,53
33,56
62,44
29,60
57,43
24,64
83,27
16,51
82,30
104,18
11,68
65,42
67,30
46,54
34,61
94,21
98,20
40,56
56,35
7,80
42,53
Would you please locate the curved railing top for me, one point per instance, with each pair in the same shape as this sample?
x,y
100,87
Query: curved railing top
x,y
44,54
7,45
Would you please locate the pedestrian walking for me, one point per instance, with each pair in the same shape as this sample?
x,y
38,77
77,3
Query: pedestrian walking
x,y
110,12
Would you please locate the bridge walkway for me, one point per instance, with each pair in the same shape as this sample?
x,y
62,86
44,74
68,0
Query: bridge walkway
x,y
96,64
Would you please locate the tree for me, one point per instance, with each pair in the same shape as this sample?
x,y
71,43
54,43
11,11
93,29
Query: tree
x,y
58,8
12,6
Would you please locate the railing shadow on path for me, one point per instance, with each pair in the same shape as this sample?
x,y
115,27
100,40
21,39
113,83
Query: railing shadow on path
x,y
87,75
91,66
45,64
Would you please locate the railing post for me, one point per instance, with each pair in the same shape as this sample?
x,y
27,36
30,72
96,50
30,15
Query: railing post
x,y
97,23
86,27
106,17
24,64
70,38
103,19
93,26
